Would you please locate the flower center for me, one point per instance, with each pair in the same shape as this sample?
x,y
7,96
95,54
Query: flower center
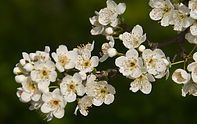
x,y
63,59
87,63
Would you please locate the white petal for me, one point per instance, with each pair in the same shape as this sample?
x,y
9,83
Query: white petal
x,y
194,76
97,102
165,21
132,53
53,76
192,66
36,97
193,14
134,86
59,67
195,56
26,56
70,97
120,60
121,8
190,38
80,90
111,4
46,97
103,58
97,30
156,14
62,49
146,88
95,61
59,113
137,30
109,99
45,108
25,97
43,86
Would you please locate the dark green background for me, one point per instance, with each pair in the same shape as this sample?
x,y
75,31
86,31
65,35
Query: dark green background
x,y
29,25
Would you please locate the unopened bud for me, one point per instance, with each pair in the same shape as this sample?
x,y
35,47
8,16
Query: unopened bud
x,y
17,70
112,52
120,36
28,67
109,30
20,78
141,48
22,62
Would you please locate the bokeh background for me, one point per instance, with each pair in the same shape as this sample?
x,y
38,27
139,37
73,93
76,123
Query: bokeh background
x,y
29,25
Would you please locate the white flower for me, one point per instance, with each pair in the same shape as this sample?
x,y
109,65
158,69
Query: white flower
x,y
133,39
107,49
109,14
192,67
191,38
142,83
180,76
97,27
41,56
54,104
84,104
129,65
181,19
64,59
29,91
156,63
85,50
101,92
193,8
71,86
162,10
85,63
43,74
189,88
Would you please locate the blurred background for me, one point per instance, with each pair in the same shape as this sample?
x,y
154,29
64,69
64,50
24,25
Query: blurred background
x,y
29,25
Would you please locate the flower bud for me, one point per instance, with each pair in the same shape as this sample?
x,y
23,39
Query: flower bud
x,y
141,48
22,62
17,70
32,56
120,36
28,67
112,52
109,30
20,78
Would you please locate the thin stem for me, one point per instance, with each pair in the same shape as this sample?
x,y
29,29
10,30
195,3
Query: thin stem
x,y
179,62
51,87
192,51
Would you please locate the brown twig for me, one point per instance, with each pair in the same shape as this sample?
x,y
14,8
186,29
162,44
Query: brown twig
x,y
106,74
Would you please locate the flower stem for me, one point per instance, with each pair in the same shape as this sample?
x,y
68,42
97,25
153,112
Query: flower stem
x,y
175,63
52,87
192,51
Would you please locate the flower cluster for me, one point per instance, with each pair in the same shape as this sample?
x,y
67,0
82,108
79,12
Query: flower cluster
x,y
50,81
188,79
107,19
181,16
142,68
